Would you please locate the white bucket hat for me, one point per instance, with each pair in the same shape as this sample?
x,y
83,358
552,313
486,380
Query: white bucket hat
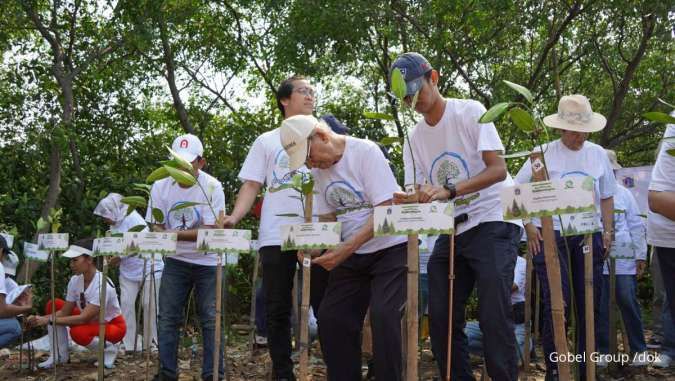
x,y
575,114
295,132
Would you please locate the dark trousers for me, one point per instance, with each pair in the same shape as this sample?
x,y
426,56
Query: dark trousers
x,y
575,265
278,273
667,262
374,280
485,256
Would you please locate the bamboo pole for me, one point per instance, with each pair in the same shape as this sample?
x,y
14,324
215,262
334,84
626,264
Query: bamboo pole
x,y
101,319
219,290
528,313
52,292
552,263
588,294
412,318
251,319
138,311
304,309
152,311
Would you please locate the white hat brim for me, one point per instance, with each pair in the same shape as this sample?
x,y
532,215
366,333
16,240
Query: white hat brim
x,y
297,155
596,123
75,251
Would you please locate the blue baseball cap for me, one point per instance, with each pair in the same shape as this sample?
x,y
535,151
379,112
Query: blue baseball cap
x,y
413,66
335,124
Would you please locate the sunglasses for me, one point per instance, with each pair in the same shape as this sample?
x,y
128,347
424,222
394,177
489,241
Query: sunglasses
x,y
83,301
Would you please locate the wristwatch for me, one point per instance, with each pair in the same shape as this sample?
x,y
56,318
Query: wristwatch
x,y
450,187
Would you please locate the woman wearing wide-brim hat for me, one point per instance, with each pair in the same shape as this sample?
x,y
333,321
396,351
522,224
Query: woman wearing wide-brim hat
x,y
573,156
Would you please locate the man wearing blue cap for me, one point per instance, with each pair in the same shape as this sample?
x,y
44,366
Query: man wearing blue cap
x,y
457,159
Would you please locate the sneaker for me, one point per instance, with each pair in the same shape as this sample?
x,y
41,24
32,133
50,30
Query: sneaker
x,y
641,359
260,340
662,361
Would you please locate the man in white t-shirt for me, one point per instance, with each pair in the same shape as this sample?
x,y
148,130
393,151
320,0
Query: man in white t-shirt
x,y
351,176
661,234
188,268
133,276
456,158
267,164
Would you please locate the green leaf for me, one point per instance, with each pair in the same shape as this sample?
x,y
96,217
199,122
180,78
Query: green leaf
x,y
494,112
665,103
42,224
288,215
522,90
659,117
134,201
389,140
158,215
296,180
157,174
142,187
522,119
516,154
181,177
671,152
184,205
377,115
398,86
137,228
308,186
414,100
180,162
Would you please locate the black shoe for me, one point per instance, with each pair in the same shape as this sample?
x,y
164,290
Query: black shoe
x,y
163,377
210,377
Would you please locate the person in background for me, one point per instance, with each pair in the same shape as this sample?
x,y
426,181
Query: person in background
x,y
114,214
630,246
80,310
10,329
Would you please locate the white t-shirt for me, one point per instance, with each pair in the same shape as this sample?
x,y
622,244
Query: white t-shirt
x,y
352,186
92,295
661,230
132,267
3,288
267,163
451,151
562,162
519,274
630,232
167,194
10,285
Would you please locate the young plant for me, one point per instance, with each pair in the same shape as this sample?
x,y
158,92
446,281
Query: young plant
x,y
301,182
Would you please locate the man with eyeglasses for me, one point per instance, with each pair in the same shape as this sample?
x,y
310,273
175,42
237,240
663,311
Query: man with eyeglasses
x,y
267,164
457,159
352,176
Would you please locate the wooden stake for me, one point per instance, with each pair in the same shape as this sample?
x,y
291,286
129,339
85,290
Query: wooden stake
x,y
304,309
552,263
219,312
613,350
528,312
101,319
588,293
451,280
55,341
151,312
251,319
138,310
412,317
537,307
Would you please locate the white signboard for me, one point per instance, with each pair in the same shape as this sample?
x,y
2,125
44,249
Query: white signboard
x,y
9,239
109,246
433,218
149,243
548,198
318,235
223,241
580,223
53,241
636,180
30,250
622,250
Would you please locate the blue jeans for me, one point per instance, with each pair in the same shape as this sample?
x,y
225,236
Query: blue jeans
x,y
178,278
475,337
424,294
10,330
626,299
668,343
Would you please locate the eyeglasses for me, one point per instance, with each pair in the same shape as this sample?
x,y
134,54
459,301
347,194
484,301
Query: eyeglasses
x,y
83,301
306,91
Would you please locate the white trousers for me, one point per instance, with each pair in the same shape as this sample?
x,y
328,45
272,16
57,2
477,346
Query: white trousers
x,y
130,289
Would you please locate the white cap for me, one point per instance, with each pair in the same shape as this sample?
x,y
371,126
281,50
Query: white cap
x,y
75,251
294,132
188,147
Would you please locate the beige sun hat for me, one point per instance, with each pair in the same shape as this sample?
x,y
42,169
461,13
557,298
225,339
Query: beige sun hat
x,y
611,155
575,114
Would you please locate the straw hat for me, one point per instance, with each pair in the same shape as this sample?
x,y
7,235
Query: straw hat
x,y
575,114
